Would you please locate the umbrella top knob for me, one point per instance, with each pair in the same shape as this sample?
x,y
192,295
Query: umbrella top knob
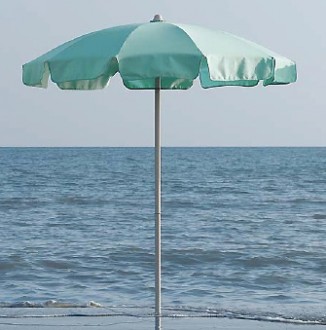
x,y
157,18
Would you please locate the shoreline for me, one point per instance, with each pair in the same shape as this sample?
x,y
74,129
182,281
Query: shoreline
x,y
141,323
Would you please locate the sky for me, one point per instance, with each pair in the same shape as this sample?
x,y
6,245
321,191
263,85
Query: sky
x,y
292,115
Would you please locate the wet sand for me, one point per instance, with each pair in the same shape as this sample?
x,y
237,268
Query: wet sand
x,y
136,323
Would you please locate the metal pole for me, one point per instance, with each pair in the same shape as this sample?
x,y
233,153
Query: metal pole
x,y
158,303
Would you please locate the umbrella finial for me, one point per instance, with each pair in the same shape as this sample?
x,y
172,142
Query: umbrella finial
x,y
157,18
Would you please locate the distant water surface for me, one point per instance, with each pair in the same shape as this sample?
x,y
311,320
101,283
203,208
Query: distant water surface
x,y
244,232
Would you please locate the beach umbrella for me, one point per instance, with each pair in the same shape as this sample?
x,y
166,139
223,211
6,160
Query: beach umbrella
x,y
159,55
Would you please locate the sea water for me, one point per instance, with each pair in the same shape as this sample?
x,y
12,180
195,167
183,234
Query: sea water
x,y
243,232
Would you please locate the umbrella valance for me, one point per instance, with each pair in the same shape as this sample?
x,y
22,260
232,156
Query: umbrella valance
x,y
177,53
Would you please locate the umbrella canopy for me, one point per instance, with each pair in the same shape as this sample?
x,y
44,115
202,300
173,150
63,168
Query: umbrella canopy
x,y
159,55
176,53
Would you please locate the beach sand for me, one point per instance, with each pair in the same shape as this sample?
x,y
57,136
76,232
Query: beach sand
x,y
135,323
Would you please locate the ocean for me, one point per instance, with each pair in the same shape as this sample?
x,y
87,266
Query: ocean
x,y
243,232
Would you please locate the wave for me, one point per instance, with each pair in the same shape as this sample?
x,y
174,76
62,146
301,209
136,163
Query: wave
x,y
319,216
48,304
53,308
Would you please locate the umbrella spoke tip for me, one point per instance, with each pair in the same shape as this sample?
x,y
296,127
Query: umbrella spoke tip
x,y
157,18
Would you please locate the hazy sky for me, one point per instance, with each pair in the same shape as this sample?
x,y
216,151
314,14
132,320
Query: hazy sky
x,y
293,115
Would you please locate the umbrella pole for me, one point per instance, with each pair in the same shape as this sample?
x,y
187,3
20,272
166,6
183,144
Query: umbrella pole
x,y
158,314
